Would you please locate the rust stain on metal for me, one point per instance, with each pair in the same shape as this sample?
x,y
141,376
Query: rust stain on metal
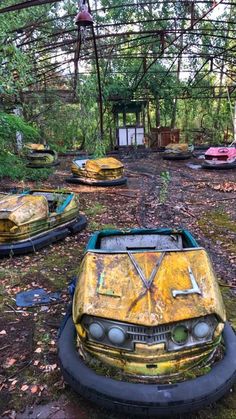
x,y
107,168
136,305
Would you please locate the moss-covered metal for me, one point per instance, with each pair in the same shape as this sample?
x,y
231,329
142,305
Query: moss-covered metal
x,y
26,215
42,157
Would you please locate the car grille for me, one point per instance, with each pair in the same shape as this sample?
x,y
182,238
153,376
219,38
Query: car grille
x,y
222,158
149,335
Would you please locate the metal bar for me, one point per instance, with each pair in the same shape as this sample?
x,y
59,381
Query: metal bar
x,y
99,84
176,38
26,5
141,4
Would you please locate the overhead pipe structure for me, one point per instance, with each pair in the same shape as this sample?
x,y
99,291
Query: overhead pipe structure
x,y
84,20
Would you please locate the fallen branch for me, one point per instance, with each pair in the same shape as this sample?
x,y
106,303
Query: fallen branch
x,y
12,308
226,285
4,347
139,174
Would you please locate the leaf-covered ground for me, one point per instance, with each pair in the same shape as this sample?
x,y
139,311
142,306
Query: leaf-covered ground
x,y
158,193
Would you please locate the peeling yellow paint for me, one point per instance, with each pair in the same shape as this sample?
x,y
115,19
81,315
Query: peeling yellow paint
x,y
101,169
23,216
136,304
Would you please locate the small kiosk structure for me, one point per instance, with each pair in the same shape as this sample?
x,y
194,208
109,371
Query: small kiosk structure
x,y
130,123
162,136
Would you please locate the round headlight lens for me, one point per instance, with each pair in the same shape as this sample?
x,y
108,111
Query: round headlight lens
x,y
116,336
180,334
96,331
201,330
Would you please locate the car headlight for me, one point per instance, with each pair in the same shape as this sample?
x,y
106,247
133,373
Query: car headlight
x,y
192,332
201,330
179,334
175,336
116,336
96,330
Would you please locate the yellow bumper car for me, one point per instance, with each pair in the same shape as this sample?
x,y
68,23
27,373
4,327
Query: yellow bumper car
x,y
177,152
106,171
147,333
40,156
37,218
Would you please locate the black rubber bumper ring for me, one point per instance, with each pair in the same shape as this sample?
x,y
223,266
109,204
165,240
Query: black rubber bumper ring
x,y
84,181
146,399
222,166
36,243
42,166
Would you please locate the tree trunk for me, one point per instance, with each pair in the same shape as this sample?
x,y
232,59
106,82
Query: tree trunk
x,y
158,112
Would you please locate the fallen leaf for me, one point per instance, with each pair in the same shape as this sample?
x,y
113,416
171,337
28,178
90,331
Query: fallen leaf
x,y
14,382
34,389
38,350
9,362
24,387
3,332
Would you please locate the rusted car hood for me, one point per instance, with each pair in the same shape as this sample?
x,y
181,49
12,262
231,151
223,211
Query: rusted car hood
x,y
104,163
23,208
110,286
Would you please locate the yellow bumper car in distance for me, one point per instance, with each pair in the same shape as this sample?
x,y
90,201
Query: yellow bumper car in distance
x,y
34,219
177,152
41,156
106,171
147,314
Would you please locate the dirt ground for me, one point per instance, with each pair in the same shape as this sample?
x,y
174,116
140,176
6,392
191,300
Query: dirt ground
x,y
158,193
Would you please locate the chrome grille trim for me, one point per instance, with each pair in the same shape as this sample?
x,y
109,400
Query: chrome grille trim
x,y
149,335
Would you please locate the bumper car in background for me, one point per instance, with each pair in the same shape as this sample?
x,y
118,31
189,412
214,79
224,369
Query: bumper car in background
x,y
106,171
220,158
177,152
34,219
40,156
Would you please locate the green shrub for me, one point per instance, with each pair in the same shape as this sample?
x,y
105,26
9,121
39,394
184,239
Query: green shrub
x,y
9,126
14,167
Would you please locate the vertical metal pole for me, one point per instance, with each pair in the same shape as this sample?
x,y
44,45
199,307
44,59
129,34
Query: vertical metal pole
x,y
99,85
76,62
233,115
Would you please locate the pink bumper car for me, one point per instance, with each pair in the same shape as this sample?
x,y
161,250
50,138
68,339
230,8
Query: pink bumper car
x,y
220,158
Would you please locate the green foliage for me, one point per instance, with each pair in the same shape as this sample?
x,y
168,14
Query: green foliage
x,y
95,209
14,167
9,125
165,180
25,33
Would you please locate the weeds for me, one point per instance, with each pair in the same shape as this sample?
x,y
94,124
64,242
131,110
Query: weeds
x,y
95,209
165,180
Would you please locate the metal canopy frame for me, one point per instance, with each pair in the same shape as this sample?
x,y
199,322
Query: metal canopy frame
x,y
114,44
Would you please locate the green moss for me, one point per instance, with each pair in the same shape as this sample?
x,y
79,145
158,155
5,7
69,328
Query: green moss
x,y
94,226
230,304
214,224
12,277
95,209
109,227
222,220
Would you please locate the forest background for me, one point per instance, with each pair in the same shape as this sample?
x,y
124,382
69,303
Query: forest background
x,y
177,56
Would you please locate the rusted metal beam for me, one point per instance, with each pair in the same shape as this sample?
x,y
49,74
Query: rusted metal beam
x,y
177,38
26,5
141,4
